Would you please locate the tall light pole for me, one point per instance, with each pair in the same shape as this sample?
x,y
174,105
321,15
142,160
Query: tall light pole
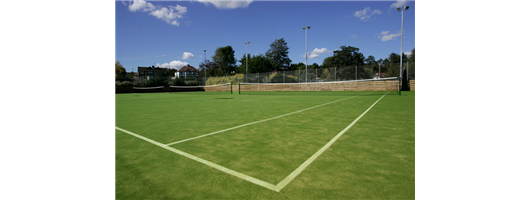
x,y
247,61
401,55
308,27
205,67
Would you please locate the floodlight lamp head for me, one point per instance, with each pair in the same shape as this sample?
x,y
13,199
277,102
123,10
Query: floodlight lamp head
x,y
308,27
303,28
205,50
406,7
399,9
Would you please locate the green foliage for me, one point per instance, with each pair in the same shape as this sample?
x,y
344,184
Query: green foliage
x,y
225,60
258,63
120,71
234,79
347,56
278,52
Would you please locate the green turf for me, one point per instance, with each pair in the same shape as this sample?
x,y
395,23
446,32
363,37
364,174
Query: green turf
x,y
372,160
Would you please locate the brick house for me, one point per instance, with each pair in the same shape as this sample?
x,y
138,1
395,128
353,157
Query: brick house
x,y
187,71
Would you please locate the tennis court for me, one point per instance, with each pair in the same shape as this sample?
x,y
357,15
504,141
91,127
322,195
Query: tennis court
x,y
265,145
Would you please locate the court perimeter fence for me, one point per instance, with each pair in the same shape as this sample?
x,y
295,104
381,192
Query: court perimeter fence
x,y
331,74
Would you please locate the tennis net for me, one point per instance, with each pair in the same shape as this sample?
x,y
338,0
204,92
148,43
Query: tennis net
x,y
227,87
149,89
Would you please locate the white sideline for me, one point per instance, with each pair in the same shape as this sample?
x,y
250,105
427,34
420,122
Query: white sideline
x,y
236,127
278,187
301,168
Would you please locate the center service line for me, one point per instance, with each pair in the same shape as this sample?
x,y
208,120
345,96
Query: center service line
x,y
256,122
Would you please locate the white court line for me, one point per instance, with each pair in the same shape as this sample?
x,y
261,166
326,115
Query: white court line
x,y
278,187
208,163
301,168
256,122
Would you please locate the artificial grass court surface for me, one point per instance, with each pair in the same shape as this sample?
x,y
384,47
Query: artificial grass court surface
x,y
374,159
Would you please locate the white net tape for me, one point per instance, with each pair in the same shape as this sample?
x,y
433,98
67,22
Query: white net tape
x,y
363,80
148,88
226,84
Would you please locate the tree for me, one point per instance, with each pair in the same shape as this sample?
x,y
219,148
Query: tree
x,y
256,64
370,60
210,68
347,56
297,66
120,71
327,63
225,60
278,52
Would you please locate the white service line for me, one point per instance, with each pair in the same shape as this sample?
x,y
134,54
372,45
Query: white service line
x,y
256,122
301,168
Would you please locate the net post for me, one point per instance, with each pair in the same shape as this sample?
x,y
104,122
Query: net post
x,y
399,86
239,87
231,88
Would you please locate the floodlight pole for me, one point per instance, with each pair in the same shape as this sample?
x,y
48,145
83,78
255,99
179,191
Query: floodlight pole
x,y
401,55
306,51
205,67
246,72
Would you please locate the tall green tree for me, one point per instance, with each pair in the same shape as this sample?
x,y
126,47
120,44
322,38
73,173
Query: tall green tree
x,y
225,60
279,53
347,56
120,71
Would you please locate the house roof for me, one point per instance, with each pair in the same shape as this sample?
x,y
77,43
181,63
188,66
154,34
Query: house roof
x,y
141,70
188,68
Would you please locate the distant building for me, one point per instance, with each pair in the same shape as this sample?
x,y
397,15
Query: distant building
x,y
152,72
187,71
376,76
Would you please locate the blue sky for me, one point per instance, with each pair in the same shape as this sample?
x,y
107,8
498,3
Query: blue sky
x,y
175,33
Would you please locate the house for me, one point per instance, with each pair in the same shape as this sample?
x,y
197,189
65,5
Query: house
x,y
376,76
187,71
152,72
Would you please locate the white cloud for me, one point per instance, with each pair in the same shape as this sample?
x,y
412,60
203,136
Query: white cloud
x,y
187,55
316,53
139,4
408,53
385,36
168,14
398,4
366,14
321,51
353,36
161,55
227,4
176,64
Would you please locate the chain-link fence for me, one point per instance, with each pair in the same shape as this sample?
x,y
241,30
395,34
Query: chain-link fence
x,y
291,76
